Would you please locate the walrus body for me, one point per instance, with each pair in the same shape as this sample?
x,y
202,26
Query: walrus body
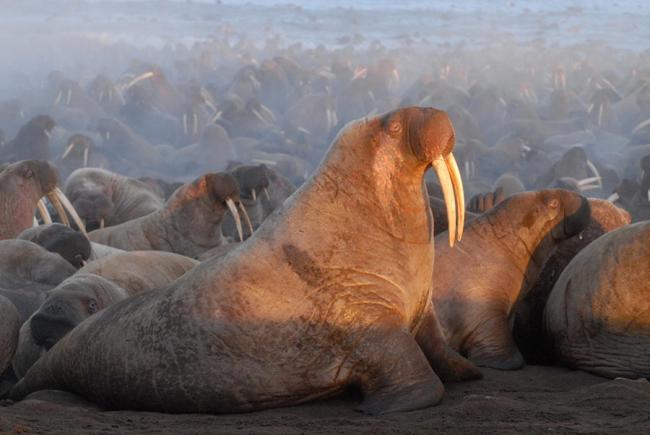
x,y
103,197
501,255
597,314
189,224
9,326
301,310
60,239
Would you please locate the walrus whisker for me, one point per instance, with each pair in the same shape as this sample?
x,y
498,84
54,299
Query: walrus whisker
x,y
139,78
42,210
246,218
68,150
594,170
613,197
235,214
440,167
640,126
70,209
266,193
459,193
59,208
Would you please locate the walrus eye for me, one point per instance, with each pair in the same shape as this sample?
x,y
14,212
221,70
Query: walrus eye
x,y
394,127
92,306
553,204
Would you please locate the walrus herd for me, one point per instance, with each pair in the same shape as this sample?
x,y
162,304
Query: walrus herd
x,y
200,236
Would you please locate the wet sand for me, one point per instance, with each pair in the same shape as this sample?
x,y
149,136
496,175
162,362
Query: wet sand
x,y
533,400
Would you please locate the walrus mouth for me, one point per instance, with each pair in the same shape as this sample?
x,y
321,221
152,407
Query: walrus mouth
x,y
451,183
71,147
235,214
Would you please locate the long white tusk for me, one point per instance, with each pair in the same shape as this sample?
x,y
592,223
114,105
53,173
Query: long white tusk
x,y
600,115
67,150
452,189
246,218
35,222
185,123
70,208
614,197
58,97
467,175
42,210
86,150
139,78
195,124
216,117
101,224
328,113
254,195
266,192
304,130
268,112
259,116
59,208
69,97
48,134
235,214
640,126
586,181
593,168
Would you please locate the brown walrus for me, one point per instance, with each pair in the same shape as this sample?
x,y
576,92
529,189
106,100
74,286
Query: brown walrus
x,y
9,326
502,253
329,292
22,185
597,314
189,223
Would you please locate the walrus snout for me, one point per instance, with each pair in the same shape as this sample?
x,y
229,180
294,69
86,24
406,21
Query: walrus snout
x,y
94,209
52,322
576,215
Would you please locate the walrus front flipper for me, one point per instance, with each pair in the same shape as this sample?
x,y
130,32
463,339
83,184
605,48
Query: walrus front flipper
x,y
445,361
402,379
492,345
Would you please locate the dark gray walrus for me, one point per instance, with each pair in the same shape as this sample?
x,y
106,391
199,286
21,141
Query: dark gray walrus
x,y
329,292
597,315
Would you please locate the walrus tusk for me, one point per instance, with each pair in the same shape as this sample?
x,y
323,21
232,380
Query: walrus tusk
x,y
587,181
58,207
614,197
254,194
195,124
467,174
58,97
304,130
67,150
268,112
69,97
259,116
447,171
86,150
235,214
216,116
35,222
640,126
185,123
593,168
101,96
328,114
266,192
48,134
70,208
101,224
42,210
141,77
246,218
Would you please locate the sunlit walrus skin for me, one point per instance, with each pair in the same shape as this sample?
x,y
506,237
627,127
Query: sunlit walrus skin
x,y
329,292
597,314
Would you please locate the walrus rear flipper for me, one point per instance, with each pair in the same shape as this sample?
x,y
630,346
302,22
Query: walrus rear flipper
x,y
445,361
492,346
37,378
402,379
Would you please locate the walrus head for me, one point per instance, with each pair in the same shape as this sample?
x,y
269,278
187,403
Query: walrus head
x,y
252,181
429,136
80,146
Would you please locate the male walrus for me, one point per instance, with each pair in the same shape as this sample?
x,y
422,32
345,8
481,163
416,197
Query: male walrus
x,y
61,239
9,326
597,313
503,250
189,224
22,185
329,292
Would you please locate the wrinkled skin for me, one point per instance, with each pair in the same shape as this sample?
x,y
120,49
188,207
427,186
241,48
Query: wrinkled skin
x,y
498,260
529,311
597,314
189,224
68,243
301,310
22,184
99,195
9,326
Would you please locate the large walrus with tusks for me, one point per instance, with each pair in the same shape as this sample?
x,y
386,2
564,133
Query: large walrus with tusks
x,y
329,292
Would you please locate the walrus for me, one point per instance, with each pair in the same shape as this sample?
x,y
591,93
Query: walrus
x,y
501,256
596,314
328,302
9,327
189,224
103,198
31,142
63,240
528,314
22,185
